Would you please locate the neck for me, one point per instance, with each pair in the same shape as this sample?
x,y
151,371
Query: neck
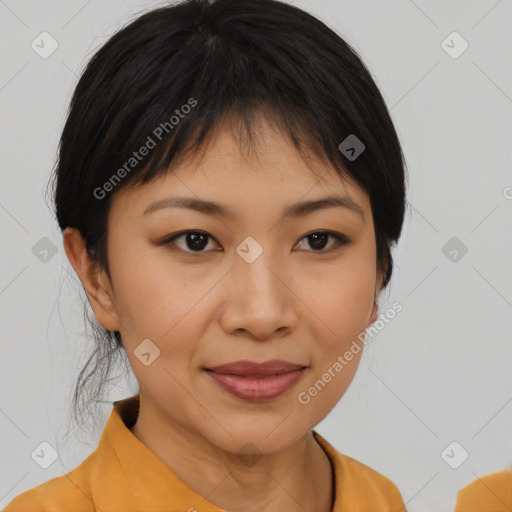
x,y
297,478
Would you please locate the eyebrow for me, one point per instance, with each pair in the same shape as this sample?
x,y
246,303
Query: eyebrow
x,y
295,210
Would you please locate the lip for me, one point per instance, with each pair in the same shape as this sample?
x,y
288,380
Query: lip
x,y
254,381
252,368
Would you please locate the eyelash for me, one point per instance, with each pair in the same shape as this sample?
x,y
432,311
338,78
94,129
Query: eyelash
x,y
341,240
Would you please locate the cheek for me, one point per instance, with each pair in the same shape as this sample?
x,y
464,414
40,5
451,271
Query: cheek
x,y
348,305
343,304
342,298
156,301
151,300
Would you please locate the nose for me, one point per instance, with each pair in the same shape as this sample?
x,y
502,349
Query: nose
x,y
259,301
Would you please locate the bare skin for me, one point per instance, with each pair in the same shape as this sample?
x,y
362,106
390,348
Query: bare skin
x,y
298,301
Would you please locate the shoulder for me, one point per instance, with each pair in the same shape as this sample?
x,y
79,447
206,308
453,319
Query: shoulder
x,y
71,491
368,480
358,486
491,492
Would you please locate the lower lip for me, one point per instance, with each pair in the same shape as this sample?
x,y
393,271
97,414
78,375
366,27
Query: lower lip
x,y
257,388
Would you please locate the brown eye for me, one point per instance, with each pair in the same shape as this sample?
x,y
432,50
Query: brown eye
x,y
196,241
318,240
192,241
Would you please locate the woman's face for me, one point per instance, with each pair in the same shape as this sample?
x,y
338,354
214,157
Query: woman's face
x,y
255,288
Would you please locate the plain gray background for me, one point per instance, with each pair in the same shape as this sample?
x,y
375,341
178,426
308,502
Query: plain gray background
x,y
439,372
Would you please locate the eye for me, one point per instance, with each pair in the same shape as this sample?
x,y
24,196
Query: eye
x,y
194,240
318,240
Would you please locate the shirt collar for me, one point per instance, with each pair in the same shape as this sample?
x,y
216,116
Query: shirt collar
x,y
140,469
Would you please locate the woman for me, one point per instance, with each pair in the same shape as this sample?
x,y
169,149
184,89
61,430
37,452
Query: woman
x,y
229,187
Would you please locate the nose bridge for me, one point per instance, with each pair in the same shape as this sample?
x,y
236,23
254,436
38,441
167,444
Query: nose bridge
x,y
258,302
254,269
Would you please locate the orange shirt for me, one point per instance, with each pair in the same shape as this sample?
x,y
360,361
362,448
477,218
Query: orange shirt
x,y
492,493
122,474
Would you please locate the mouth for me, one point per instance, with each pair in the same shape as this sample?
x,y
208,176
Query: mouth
x,y
256,381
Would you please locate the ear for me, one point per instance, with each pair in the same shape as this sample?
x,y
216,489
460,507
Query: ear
x,y
93,279
378,286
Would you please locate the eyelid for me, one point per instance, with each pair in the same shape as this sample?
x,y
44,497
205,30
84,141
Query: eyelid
x,y
341,240
168,240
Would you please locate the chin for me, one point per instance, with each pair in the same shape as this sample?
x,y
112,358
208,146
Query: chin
x,y
264,435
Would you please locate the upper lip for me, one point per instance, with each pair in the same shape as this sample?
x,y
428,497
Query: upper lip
x,y
273,367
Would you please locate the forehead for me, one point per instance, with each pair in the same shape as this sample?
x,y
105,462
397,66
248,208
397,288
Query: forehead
x,y
250,177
